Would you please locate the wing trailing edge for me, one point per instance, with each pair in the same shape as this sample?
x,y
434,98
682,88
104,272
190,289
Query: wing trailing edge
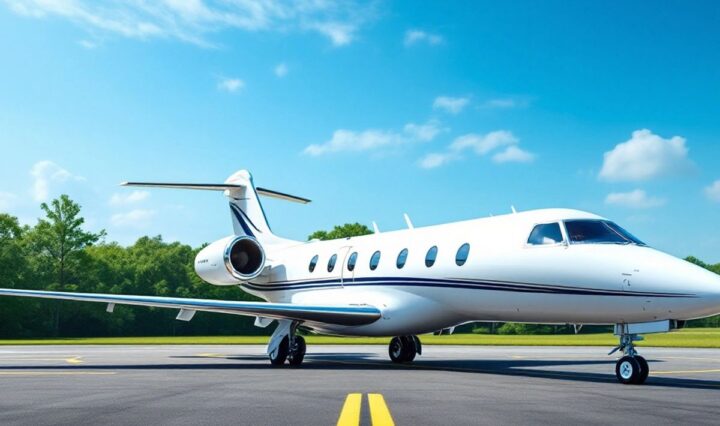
x,y
347,315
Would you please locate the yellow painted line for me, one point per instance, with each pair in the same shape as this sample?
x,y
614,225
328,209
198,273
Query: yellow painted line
x,y
212,355
74,360
350,414
33,359
379,412
653,373
56,373
691,358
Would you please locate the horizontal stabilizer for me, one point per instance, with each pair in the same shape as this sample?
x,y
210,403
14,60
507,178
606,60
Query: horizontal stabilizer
x,y
218,187
349,315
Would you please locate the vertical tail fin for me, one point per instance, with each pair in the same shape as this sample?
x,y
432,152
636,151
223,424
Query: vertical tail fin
x,y
248,216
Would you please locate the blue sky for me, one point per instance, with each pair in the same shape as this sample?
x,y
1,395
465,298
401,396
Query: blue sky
x,y
443,110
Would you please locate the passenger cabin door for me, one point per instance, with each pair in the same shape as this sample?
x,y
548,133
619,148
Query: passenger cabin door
x,y
349,263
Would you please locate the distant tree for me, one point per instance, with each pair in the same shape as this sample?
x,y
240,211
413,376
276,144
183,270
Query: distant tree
x,y
342,231
12,261
58,243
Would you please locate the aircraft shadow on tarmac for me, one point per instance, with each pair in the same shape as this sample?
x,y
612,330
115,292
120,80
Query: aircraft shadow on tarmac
x,y
546,368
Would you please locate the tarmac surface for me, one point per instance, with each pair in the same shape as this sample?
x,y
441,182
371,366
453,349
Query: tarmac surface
x,y
447,385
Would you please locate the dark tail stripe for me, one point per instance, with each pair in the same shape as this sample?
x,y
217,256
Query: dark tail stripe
x,y
236,211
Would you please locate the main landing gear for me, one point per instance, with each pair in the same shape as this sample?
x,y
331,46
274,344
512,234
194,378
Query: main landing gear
x,y
286,345
631,369
403,349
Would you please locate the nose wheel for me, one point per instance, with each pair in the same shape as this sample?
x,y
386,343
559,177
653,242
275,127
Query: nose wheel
x,y
631,369
403,349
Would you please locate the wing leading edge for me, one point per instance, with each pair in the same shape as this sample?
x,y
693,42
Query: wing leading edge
x,y
348,315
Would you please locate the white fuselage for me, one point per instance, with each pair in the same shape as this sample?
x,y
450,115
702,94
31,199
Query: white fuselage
x,y
503,279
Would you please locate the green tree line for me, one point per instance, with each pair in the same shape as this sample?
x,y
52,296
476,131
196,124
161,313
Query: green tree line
x,y
58,253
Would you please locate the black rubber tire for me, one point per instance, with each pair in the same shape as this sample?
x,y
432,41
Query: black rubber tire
x,y
418,345
627,370
409,348
278,357
396,350
296,352
644,370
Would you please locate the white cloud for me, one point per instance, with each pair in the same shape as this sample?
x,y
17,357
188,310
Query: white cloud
x,y
423,132
482,145
637,199
500,103
280,70
513,154
349,140
138,218
46,172
415,36
713,191
339,34
192,20
646,156
450,104
434,159
88,44
7,201
123,199
231,85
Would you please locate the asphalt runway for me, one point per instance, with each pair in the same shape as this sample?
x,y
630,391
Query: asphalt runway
x,y
447,385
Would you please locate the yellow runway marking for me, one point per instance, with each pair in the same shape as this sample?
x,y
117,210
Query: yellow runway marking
x,y
350,414
653,373
74,360
56,373
379,412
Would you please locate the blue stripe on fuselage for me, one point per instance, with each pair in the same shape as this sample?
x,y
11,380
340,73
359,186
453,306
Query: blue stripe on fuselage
x,y
453,283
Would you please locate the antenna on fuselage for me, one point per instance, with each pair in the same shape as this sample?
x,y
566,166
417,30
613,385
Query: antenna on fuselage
x,y
375,227
513,209
408,221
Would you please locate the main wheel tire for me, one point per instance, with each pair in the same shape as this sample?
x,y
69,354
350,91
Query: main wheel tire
x,y
409,348
280,354
628,370
418,345
644,370
396,350
296,353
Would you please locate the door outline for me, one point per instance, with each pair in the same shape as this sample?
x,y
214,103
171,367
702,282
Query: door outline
x,y
346,275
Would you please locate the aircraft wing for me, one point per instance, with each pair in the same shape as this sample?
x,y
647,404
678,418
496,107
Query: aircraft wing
x,y
348,315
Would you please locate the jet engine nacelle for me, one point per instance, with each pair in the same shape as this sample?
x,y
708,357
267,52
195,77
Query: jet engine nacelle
x,y
230,261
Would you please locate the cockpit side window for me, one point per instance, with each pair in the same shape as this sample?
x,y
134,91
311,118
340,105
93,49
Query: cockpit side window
x,y
620,230
547,233
598,232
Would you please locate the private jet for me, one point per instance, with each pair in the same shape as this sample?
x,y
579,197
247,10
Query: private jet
x,y
550,266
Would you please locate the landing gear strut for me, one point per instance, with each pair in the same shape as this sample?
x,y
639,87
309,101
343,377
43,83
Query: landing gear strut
x,y
286,345
631,369
404,348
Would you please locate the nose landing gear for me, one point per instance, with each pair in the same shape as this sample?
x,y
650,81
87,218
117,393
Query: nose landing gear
x,y
402,349
631,369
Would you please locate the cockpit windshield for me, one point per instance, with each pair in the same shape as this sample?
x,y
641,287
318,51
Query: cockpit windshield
x,y
598,232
